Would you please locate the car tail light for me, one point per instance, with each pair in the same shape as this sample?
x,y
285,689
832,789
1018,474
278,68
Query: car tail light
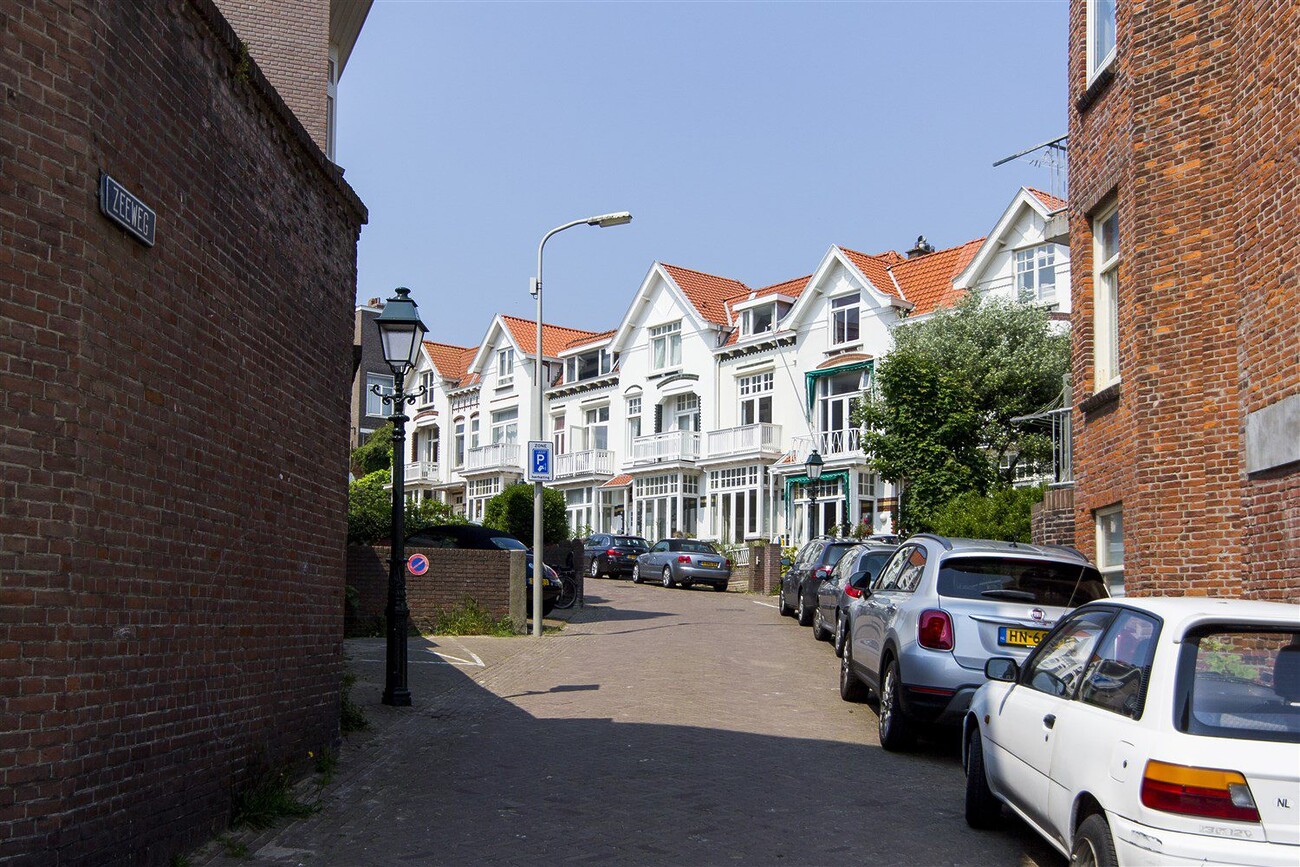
x,y
1192,791
683,558
853,591
935,630
611,552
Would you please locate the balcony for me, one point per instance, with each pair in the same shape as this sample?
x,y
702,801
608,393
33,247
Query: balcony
x,y
495,456
678,445
758,440
592,462
422,471
830,444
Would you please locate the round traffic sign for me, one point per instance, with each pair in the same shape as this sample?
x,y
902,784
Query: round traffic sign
x,y
417,564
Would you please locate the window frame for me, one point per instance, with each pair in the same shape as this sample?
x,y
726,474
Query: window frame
x,y
1090,669
1105,299
1026,672
506,428
1036,266
379,379
1104,566
1096,66
667,335
506,366
755,391
835,309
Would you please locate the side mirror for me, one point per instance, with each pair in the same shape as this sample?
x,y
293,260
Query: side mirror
x,y
1002,668
786,561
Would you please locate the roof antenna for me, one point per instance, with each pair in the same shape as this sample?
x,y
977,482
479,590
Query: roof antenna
x,y
1054,158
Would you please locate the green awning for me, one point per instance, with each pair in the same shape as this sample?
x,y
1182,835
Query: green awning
x,y
812,376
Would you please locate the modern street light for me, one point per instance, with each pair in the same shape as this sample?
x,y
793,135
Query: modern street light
x,y
603,221
813,467
401,334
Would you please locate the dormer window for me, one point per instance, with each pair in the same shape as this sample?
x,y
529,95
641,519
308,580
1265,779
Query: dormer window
x,y
758,320
589,365
1036,273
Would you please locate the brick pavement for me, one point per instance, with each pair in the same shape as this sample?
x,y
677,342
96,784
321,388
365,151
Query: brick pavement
x,y
660,727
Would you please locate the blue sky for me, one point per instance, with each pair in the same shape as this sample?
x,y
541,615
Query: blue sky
x,y
746,138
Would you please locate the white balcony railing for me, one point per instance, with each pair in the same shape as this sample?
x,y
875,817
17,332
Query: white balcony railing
x,y
741,557
585,463
493,456
750,438
422,471
829,443
678,445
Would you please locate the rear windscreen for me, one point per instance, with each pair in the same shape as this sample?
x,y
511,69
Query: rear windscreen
x,y
872,563
1239,683
1038,582
631,542
834,553
698,547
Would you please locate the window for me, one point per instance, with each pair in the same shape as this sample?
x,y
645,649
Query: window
x,y
598,427
331,99
1105,314
888,579
557,425
755,398
633,419
844,319
1239,682
505,426
362,435
426,385
374,403
758,320
687,413
473,432
1116,679
1057,666
1101,36
505,366
1036,272
458,443
666,345
1110,547
1004,579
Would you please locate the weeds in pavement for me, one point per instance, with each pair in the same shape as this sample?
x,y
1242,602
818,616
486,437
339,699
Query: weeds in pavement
x,y
179,861
234,848
326,763
267,801
470,618
351,717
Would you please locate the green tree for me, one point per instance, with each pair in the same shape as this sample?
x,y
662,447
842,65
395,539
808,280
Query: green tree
x,y
370,510
939,423
512,511
375,454
1004,513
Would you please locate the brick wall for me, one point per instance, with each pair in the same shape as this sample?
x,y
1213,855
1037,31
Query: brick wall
x,y
174,448
1052,521
1196,134
454,575
289,39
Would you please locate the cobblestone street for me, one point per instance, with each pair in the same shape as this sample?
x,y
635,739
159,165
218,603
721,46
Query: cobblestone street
x,y
659,727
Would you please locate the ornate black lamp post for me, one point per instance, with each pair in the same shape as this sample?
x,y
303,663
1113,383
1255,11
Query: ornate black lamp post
x,y
402,334
813,466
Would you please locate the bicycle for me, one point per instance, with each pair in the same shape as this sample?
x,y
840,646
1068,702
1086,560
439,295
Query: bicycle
x,y
568,590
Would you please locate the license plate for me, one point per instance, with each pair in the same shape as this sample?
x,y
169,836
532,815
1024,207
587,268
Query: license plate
x,y
710,564
1010,635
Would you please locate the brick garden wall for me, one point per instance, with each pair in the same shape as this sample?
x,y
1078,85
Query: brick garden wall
x,y
1052,521
454,576
1196,134
173,455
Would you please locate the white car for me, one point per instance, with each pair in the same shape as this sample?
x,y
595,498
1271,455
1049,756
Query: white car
x,y
1147,731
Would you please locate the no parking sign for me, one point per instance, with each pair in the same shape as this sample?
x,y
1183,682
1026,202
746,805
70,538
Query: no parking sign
x,y
417,564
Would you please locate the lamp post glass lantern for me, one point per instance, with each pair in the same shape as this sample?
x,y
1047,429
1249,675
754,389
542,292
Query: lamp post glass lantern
x,y
813,467
401,333
603,221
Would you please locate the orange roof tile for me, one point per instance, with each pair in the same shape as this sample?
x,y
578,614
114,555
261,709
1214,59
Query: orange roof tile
x,y
791,288
927,280
621,481
580,341
450,361
876,268
554,337
708,292
1051,202
844,358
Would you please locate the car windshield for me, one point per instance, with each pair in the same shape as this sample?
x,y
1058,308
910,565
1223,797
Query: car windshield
x,y
873,562
697,547
834,553
632,542
1234,682
1041,582
508,543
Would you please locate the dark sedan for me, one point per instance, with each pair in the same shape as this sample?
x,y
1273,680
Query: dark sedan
x,y
814,562
856,570
486,539
685,562
610,554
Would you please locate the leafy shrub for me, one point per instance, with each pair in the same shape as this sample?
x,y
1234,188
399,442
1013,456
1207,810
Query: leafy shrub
x,y
470,618
512,511
370,511
1003,514
376,453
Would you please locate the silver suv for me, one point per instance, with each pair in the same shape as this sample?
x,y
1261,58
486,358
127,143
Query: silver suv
x,y
940,607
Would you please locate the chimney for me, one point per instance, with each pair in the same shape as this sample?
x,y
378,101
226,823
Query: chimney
x,y
376,303
922,247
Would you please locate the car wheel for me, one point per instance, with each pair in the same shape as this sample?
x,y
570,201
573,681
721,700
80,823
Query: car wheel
x,y
548,605
851,689
841,633
667,578
595,567
983,809
803,615
892,725
782,607
1093,845
820,632
721,588
636,573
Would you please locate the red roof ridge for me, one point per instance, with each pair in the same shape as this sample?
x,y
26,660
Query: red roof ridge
x,y
1053,203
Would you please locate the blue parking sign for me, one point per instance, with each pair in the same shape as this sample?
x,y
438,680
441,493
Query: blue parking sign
x,y
539,461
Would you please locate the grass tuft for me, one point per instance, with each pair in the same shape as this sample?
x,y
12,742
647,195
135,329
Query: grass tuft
x,y
351,717
267,801
470,618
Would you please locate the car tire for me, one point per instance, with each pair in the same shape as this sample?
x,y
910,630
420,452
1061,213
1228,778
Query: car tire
x,y
820,632
547,607
893,726
595,567
636,573
721,588
851,689
667,578
983,809
785,610
841,634
802,614
1093,844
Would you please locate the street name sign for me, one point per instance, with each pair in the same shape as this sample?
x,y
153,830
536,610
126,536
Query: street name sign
x,y
119,205
540,464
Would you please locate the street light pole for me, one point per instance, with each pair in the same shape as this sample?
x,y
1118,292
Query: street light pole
x,y
813,467
401,334
539,396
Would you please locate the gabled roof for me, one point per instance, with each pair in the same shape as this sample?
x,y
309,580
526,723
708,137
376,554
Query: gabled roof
x,y
707,292
790,288
927,281
555,338
619,481
1044,204
1051,202
578,342
450,361
876,268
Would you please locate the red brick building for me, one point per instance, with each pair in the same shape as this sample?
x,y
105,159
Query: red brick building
x,y
174,444
1185,213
